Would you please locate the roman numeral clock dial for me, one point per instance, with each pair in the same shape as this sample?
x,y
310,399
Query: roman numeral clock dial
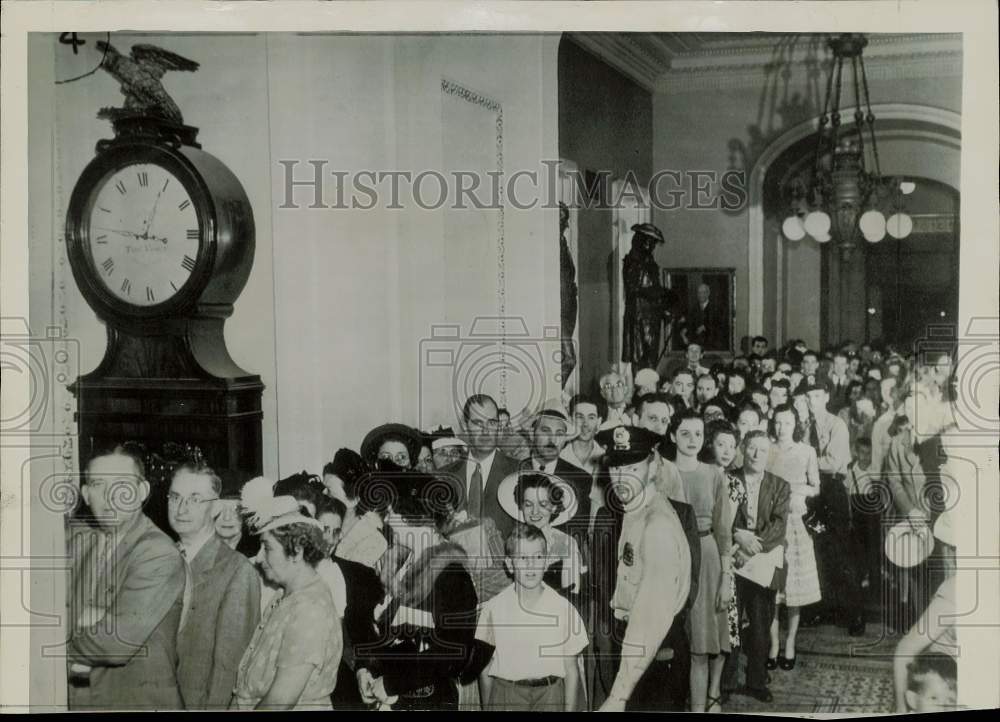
x,y
144,234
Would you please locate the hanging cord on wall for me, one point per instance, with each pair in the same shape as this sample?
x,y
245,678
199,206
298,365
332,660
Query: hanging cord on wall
x,y
95,69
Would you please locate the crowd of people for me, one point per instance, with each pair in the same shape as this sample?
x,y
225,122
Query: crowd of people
x,y
629,549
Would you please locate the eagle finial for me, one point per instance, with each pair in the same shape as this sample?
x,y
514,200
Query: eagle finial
x,y
139,76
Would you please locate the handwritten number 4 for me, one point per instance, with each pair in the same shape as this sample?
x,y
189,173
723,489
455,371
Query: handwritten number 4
x,y
71,40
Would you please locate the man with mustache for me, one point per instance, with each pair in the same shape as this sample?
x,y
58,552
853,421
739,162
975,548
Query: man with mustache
x,y
550,432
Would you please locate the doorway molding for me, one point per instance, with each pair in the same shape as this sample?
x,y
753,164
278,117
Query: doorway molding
x,y
936,125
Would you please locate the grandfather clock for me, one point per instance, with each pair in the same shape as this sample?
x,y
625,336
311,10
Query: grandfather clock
x,y
160,237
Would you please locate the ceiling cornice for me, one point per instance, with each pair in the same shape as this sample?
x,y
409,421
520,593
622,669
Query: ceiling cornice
x,y
642,57
679,62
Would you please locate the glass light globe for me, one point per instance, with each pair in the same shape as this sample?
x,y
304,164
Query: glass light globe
x,y
907,187
793,228
823,238
899,225
872,225
817,224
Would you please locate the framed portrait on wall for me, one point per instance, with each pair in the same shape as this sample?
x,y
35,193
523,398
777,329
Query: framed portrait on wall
x,y
703,308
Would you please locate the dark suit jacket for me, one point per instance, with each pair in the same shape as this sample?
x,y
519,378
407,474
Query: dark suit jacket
x,y
503,466
772,516
225,609
364,592
133,651
690,523
713,319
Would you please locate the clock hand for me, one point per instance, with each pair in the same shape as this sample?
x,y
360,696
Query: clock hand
x,y
152,214
120,232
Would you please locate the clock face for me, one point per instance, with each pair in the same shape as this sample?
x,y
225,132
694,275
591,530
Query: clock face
x,y
144,234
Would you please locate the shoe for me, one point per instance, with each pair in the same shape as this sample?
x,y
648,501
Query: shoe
x,y
713,702
761,695
786,664
772,663
857,628
813,621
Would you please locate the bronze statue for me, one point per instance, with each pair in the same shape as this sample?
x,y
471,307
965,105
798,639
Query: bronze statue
x,y
646,305
139,76
567,297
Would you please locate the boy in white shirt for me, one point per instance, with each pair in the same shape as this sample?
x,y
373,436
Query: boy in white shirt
x,y
536,633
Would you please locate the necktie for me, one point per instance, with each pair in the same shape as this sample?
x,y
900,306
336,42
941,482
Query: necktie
x,y
476,493
813,435
188,588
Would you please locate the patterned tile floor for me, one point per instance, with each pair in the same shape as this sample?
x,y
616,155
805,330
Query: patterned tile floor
x,y
834,673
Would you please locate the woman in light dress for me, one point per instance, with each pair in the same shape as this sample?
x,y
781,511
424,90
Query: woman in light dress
x,y
293,657
707,491
795,462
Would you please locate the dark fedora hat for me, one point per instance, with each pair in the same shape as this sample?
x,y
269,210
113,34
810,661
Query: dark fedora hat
x,y
648,229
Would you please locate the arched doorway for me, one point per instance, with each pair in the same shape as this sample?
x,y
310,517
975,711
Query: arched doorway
x,y
811,284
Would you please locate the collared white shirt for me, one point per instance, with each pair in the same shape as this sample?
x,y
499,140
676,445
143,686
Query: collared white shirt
x,y
590,463
549,468
753,484
484,468
530,643
192,547
616,418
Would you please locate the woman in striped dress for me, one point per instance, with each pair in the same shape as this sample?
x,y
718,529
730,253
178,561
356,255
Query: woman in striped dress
x,y
795,462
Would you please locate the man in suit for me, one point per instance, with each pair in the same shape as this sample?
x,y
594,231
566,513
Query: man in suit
x,y
692,362
707,323
615,391
835,553
550,432
222,600
127,586
476,479
840,380
759,527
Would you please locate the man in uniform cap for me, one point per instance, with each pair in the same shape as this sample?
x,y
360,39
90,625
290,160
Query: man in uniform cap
x,y
653,568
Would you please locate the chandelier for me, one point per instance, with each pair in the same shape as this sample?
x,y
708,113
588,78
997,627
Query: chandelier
x,y
845,194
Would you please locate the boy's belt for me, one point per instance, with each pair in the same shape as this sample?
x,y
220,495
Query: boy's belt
x,y
540,682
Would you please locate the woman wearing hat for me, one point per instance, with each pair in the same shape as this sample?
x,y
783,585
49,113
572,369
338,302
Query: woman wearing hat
x,y
292,660
397,443
426,621
546,502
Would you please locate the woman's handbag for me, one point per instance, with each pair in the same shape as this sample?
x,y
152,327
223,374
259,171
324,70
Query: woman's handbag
x,y
815,517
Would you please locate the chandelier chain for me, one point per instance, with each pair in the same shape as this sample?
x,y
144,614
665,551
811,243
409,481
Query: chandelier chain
x,y
870,118
858,114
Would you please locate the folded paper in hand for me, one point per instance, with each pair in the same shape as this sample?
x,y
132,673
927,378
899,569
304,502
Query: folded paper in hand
x,y
759,568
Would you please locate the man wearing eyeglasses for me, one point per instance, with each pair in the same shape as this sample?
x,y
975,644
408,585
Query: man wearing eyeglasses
x,y
222,597
615,391
478,477
127,586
